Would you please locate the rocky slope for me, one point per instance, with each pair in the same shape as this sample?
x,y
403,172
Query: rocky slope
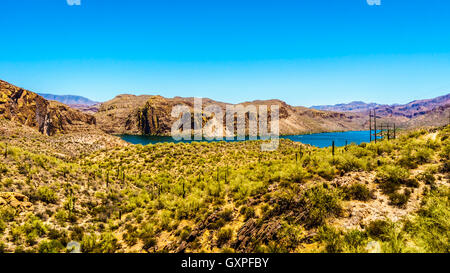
x,y
49,117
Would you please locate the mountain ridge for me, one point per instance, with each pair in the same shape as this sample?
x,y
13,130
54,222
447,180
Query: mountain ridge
x,y
151,114
360,106
69,99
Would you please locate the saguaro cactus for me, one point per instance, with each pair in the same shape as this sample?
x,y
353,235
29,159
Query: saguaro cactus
x,y
332,150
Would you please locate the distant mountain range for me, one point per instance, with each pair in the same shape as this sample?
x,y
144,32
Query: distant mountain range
x,y
354,106
78,102
69,99
410,109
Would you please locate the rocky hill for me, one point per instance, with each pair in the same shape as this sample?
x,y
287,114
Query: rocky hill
x,y
49,117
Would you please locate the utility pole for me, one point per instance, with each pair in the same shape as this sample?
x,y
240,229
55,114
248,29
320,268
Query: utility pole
x,y
381,130
370,125
375,124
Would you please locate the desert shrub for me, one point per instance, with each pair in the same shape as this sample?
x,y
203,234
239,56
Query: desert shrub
x,y
185,232
108,243
2,226
248,212
23,168
427,177
399,199
148,242
445,167
289,237
445,153
295,174
354,241
50,246
379,229
396,241
61,236
7,214
89,243
348,163
414,154
325,170
320,203
391,177
46,194
77,233
224,235
332,239
3,169
131,236
430,229
357,192
32,229
226,215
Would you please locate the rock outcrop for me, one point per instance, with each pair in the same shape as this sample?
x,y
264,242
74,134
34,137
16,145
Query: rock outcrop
x,y
15,200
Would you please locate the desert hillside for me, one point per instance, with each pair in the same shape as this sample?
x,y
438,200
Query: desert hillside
x,y
391,196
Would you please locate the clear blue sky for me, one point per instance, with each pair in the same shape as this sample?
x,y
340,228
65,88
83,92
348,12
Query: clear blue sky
x,y
306,52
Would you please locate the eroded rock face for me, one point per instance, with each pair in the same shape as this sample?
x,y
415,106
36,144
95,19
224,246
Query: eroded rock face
x,y
154,118
28,108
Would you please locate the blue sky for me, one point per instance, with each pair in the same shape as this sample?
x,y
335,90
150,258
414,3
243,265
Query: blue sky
x,y
306,52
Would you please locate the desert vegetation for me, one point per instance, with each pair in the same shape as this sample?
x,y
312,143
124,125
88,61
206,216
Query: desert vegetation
x,y
389,196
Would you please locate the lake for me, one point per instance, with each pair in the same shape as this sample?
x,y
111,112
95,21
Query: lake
x,y
320,140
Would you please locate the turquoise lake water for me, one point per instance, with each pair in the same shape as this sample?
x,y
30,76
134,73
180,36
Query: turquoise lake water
x,y
319,140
